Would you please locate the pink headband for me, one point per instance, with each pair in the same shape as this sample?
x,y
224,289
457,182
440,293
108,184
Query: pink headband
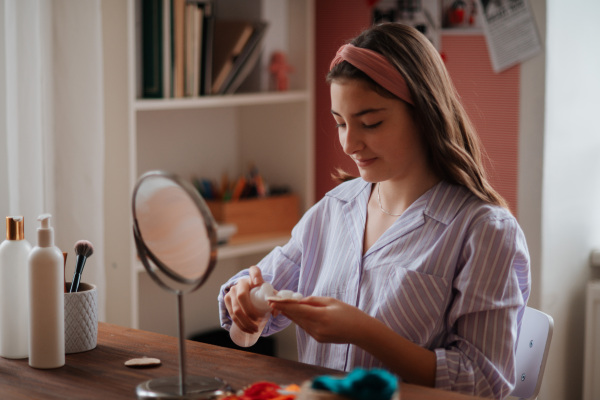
x,y
376,66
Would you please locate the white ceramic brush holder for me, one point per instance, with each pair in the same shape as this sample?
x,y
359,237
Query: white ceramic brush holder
x,y
81,318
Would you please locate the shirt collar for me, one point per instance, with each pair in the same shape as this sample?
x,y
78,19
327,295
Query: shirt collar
x,y
349,190
442,202
445,201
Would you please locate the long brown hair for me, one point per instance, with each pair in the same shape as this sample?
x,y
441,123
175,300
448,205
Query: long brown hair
x,y
453,146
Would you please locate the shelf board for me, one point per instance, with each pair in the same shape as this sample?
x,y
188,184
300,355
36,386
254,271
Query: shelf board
x,y
250,247
229,251
221,100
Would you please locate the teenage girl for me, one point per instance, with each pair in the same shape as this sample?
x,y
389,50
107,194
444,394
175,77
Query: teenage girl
x,y
416,266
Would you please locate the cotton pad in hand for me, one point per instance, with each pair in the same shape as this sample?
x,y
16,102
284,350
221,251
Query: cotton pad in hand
x,y
286,295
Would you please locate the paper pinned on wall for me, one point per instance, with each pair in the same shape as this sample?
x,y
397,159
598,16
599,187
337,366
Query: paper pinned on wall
x,y
510,32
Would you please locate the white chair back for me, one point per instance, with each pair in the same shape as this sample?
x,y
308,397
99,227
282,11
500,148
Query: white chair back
x,y
532,352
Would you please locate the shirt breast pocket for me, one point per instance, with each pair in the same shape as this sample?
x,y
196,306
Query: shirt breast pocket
x,y
414,304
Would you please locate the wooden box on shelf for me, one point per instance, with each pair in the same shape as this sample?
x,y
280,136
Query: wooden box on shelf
x,y
258,217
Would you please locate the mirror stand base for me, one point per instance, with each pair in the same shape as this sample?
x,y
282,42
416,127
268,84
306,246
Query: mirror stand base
x,y
196,387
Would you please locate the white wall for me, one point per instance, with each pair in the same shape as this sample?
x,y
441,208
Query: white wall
x,y
531,155
4,208
570,204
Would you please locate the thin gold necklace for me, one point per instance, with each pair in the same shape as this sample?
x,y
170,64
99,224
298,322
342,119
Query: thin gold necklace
x,y
381,206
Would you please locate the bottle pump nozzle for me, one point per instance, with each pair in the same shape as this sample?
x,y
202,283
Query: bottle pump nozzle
x,y
45,231
45,221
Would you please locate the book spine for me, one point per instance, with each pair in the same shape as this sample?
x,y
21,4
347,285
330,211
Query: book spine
x,y
208,27
179,48
152,49
166,40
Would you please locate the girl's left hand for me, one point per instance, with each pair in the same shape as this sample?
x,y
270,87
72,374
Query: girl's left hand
x,y
326,319
329,320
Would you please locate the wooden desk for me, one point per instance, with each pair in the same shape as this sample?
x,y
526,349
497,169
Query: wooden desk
x,y
100,373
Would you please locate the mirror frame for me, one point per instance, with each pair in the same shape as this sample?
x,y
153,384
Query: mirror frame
x,y
145,253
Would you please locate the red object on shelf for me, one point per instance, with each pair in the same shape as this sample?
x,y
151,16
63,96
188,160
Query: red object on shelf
x,y
279,69
456,14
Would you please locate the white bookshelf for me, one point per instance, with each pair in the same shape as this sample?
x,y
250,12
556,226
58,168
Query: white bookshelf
x,y
215,135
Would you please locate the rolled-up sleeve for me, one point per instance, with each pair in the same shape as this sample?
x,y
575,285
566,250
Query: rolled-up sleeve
x,y
491,289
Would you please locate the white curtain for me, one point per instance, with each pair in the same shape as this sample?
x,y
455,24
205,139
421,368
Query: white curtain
x,y
51,124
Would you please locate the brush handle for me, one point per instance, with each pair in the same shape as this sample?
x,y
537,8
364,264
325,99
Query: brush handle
x,y
77,276
65,271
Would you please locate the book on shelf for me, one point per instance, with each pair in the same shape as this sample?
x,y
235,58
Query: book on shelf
x,y
191,36
178,34
230,38
166,48
246,61
206,53
152,50
193,40
187,52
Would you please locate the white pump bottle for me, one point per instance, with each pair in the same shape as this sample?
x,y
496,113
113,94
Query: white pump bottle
x,y
258,296
46,301
14,290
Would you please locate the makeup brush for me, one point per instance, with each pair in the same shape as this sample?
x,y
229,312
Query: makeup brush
x,y
64,270
83,250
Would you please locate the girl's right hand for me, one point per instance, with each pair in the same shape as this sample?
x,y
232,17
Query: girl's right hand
x,y
238,303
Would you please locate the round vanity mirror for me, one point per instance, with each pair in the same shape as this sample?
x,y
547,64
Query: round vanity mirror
x,y
176,229
175,238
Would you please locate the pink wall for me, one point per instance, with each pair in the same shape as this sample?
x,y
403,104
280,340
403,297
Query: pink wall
x,y
492,100
337,22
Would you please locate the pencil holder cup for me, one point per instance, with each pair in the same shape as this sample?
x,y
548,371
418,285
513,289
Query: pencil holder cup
x,y
81,318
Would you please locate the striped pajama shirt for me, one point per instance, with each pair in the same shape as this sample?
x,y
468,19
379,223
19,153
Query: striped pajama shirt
x,y
451,274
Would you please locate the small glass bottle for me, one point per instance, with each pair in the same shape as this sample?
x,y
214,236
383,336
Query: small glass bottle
x,y
14,290
258,296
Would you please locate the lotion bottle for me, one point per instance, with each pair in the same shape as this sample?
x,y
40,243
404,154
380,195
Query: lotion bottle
x,y
14,290
258,296
46,301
